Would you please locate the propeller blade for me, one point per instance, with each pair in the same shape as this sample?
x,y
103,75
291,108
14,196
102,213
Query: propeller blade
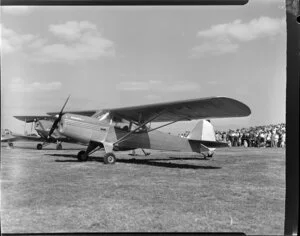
x,y
54,126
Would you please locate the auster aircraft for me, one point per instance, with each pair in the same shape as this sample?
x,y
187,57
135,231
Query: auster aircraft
x,y
129,128
42,125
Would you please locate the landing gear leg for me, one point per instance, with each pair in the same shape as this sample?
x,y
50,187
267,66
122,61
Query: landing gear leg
x,y
208,155
58,146
84,155
145,153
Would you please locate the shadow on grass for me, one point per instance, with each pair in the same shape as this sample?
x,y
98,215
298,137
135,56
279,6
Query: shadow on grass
x,y
34,148
150,162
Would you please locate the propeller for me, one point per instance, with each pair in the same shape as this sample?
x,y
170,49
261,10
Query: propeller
x,y
54,126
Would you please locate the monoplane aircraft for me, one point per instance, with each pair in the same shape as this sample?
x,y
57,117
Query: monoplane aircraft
x,y
42,125
129,128
7,136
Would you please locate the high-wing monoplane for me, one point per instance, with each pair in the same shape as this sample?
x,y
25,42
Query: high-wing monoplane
x,y
129,128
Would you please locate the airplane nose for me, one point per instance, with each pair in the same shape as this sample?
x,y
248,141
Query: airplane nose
x,y
61,124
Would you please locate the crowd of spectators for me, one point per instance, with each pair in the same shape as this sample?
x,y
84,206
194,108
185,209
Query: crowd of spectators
x,y
259,136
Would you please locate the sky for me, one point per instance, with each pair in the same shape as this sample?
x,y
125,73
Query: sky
x,y
118,56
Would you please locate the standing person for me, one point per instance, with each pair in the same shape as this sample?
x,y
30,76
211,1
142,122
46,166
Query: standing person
x,y
273,139
224,137
240,139
283,140
276,139
234,134
262,139
268,142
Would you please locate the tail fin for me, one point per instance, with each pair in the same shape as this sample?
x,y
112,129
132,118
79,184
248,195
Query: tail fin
x,y
203,131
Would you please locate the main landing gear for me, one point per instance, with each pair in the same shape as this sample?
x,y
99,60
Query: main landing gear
x,y
109,157
11,145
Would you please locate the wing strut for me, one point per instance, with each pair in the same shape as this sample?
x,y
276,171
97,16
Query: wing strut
x,y
141,125
164,125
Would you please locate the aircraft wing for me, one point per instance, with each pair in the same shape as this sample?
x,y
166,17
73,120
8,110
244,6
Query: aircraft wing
x,y
84,113
29,119
17,137
194,109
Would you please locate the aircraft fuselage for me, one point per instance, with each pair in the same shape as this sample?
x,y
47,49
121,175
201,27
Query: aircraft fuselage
x,y
86,129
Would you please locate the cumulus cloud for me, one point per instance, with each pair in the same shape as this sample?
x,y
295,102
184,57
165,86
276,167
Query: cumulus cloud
x,y
225,38
155,85
84,42
17,10
12,41
73,41
19,85
215,48
72,30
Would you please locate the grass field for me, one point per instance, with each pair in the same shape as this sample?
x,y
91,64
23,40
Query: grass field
x,y
239,190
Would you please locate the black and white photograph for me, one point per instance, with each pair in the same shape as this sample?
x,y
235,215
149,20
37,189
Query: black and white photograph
x,y
144,118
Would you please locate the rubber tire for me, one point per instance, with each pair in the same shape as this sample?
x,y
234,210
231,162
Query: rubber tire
x,y
210,155
58,146
109,158
11,145
81,156
39,146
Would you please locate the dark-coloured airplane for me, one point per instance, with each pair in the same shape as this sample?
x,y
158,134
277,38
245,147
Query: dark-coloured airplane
x,y
129,128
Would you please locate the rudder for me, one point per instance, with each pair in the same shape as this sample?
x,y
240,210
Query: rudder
x,y
203,131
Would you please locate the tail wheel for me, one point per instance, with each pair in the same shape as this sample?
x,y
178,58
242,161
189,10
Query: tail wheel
x,y
109,158
59,146
82,156
39,146
210,154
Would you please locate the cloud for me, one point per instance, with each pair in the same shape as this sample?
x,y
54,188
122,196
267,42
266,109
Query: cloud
x,y
17,10
72,30
12,41
214,48
74,41
256,28
19,85
155,85
225,38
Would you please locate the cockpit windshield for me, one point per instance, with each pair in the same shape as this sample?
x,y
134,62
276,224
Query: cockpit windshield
x,y
119,123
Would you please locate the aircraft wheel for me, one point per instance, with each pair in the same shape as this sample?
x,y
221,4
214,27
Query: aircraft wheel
x,y
109,158
210,154
82,156
39,146
11,145
59,146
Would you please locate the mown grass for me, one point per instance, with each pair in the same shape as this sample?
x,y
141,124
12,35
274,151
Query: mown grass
x,y
239,190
